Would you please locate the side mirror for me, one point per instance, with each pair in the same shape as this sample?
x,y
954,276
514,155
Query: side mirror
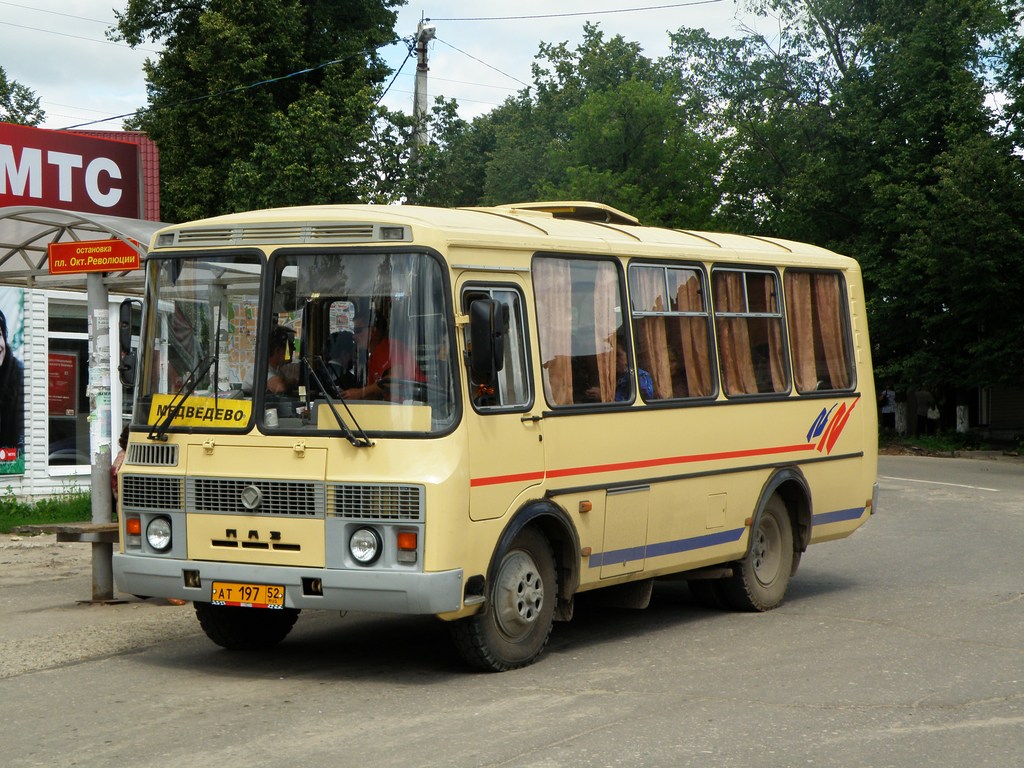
x,y
487,328
128,367
124,326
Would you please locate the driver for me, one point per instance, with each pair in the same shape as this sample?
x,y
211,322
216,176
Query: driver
x,y
385,358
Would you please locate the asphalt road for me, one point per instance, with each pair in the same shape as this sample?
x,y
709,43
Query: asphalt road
x,y
901,646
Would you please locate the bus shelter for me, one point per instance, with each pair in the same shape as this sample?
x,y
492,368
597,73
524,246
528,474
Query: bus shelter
x,y
26,233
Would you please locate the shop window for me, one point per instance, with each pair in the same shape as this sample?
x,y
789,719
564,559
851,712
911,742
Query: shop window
x,y
68,409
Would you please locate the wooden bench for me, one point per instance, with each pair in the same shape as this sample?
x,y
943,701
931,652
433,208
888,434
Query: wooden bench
x,y
95,533
102,536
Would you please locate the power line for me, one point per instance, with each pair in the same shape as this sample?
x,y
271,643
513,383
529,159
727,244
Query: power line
x,y
76,37
56,13
338,61
395,77
227,92
581,13
481,61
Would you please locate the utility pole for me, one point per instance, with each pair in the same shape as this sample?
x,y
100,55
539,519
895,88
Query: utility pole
x,y
424,34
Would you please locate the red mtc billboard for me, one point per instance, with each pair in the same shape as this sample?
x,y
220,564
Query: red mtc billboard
x,y
64,170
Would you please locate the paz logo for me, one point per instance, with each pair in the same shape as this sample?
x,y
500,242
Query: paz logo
x,y
829,425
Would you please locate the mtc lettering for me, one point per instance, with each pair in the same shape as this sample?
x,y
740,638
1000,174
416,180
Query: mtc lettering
x,y
25,177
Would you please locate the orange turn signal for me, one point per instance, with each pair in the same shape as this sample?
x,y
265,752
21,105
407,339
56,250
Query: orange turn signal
x,y
133,526
407,541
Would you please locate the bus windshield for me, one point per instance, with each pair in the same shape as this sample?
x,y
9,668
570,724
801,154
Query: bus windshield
x,y
351,344
357,343
199,340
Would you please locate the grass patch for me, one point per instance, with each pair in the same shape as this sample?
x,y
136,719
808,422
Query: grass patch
x,y
65,507
942,444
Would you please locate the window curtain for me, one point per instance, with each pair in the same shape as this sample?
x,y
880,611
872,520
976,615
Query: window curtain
x,y
693,334
733,335
830,319
801,330
776,348
605,328
815,309
553,287
649,296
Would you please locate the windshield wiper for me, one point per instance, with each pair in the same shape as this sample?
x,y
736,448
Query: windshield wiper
x,y
159,432
359,440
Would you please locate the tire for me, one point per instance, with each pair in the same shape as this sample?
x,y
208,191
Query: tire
x,y
245,629
515,625
762,577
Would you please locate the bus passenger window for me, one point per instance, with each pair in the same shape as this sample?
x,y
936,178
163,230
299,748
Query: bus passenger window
x,y
579,320
511,389
748,319
818,319
672,330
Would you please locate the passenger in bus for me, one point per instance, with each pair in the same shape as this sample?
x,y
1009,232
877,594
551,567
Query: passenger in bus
x,y
623,381
282,374
386,358
341,358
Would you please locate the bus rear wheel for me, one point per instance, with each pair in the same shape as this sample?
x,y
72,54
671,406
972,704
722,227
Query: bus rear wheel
x,y
513,629
245,629
761,578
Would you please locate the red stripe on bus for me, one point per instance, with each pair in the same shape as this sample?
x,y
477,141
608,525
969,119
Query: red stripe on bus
x,y
644,464
501,479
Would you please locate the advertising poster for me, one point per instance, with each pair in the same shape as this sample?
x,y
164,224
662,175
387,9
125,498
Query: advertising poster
x,y
12,381
63,384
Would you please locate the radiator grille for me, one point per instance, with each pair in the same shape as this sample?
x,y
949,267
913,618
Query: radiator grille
x,y
376,502
152,455
151,492
293,498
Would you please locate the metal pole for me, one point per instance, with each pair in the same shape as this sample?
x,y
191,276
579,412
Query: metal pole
x,y
100,431
424,34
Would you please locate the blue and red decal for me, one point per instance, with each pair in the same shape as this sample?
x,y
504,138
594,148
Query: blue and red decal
x,y
829,425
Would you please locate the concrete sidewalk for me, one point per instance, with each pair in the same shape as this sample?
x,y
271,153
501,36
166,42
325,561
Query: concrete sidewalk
x,y
44,624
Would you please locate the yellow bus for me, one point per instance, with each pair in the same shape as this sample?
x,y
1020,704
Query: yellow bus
x,y
480,414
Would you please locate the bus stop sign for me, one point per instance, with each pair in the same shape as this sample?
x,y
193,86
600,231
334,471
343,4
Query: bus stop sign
x,y
92,256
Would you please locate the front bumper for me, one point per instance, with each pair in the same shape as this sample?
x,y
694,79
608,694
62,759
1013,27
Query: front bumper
x,y
343,590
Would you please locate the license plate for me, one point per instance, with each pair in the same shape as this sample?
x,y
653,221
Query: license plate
x,y
247,595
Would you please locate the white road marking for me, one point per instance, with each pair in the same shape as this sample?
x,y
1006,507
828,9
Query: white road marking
x,y
934,482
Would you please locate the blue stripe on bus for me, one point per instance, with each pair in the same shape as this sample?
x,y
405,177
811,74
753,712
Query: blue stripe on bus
x,y
838,516
664,548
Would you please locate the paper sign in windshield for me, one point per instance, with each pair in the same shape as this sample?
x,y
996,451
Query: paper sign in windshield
x,y
201,412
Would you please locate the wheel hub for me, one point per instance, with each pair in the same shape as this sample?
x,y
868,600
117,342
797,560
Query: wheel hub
x,y
519,595
766,552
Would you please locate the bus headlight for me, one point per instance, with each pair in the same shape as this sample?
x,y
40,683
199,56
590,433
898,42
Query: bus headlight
x,y
365,546
158,534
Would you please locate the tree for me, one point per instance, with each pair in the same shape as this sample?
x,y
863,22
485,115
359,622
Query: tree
x,y
450,171
18,104
603,123
258,103
868,127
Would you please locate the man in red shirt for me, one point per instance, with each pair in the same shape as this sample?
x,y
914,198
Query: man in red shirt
x,y
387,358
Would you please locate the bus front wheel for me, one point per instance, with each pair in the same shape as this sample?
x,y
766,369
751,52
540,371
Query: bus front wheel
x,y
515,626
761,578
245,629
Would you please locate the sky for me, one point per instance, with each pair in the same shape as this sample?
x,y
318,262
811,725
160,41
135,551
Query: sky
x,y
58,49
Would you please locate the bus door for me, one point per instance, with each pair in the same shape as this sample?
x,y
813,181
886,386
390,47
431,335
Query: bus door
x,y
506,449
